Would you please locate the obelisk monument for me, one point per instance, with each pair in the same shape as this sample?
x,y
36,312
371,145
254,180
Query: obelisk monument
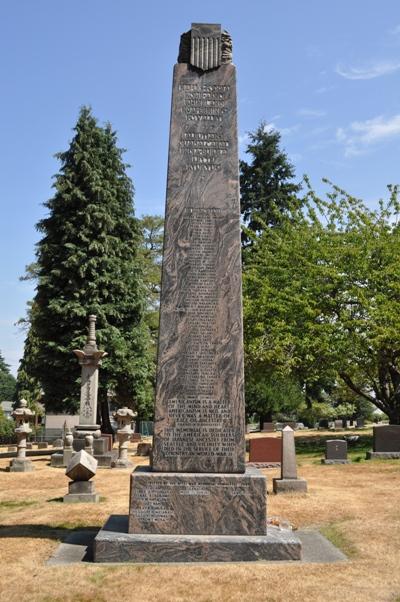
x,y
199,413
198,502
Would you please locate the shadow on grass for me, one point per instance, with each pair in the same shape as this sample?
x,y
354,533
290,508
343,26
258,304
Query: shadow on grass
x,y
60,532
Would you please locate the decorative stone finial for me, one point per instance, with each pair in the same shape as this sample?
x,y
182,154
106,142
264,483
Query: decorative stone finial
x,y
91,339
205,46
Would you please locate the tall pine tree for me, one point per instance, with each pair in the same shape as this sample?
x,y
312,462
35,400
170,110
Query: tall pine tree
x,y
7,381
88,263
266,183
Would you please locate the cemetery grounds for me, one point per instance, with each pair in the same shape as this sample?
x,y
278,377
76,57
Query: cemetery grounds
x,y
355,505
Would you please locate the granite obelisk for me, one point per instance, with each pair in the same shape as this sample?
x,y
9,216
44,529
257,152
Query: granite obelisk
x,y
199,434
199,413
198,502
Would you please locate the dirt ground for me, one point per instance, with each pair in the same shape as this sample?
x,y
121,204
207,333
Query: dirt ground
x,y
355,505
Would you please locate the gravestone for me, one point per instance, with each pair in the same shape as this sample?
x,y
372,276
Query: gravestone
x,y
266,450
386,442
338,425
289,481
335,452
268,427
360,422
198,494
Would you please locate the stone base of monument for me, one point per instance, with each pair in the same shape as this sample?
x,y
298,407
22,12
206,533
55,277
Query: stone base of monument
x,y
81,491
61,460
113,543
336,461
195,517
371,455
100,449
197,503
289,485
118,463
20,465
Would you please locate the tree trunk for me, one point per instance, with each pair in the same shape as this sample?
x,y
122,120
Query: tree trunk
x,y
394,416
267,417
104,415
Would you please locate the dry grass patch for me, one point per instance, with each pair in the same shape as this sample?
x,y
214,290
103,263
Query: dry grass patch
x,y
355,505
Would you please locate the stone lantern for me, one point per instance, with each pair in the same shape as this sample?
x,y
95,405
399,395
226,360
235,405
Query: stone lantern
x,y
23,416
124,417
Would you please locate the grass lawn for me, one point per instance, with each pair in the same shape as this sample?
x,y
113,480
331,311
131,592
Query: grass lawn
x,y
356,506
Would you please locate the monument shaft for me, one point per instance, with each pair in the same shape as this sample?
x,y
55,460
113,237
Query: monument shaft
x,y
199,417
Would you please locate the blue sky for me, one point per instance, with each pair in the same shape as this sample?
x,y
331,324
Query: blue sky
x,y
326,75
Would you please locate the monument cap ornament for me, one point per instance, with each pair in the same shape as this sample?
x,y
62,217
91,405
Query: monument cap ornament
x,y
82,466
205,46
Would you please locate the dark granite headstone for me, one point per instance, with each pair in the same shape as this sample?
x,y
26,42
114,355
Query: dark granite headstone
x,y
268,427
266,449
360,422
198,485
335,452
143,449
386,438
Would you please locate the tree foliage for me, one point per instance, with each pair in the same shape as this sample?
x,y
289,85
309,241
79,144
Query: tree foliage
x,y
88,263
267,189
7,381
152,227
322,297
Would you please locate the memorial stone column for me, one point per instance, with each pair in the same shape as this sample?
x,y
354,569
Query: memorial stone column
x,y
90,360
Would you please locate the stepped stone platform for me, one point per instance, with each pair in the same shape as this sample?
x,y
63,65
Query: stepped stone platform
x,y
113,543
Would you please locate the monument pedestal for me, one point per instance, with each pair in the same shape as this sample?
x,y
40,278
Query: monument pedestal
x,y
198,503
81,491
289,485
114,544
381,455
20,465
334,461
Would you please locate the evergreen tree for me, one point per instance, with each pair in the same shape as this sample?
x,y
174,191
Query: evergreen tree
x,y
266,183
88,263
152,227
7,381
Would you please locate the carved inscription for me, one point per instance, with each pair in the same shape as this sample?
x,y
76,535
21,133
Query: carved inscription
x,y
151,503
204,150
155,501
199,415
200,422
87,405
211,441
204,102
199,299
